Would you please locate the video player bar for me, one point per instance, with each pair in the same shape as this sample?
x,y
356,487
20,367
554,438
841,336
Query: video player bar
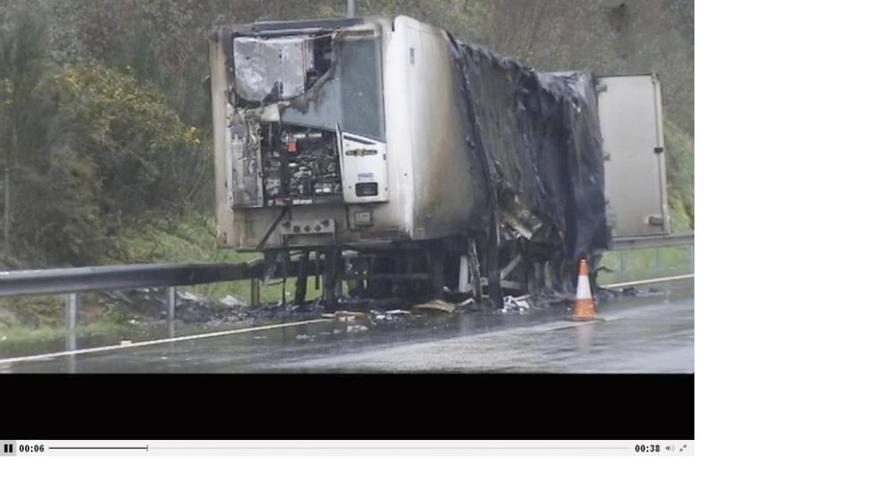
x,y
346,447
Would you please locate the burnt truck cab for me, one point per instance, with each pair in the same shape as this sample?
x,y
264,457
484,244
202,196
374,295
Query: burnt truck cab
x,y
336,132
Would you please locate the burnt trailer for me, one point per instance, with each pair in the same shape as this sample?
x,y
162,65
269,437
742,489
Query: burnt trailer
x,y
386,152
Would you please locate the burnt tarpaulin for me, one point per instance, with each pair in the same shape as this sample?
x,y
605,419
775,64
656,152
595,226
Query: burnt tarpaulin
x,y
536,137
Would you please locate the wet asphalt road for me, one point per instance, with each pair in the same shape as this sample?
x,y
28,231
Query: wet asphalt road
x,y
648,333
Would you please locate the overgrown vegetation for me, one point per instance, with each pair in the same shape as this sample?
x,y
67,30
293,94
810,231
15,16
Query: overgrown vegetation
x,y
680,176
105,121
186,238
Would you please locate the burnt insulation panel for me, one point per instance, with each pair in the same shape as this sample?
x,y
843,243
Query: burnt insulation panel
x,y
536,137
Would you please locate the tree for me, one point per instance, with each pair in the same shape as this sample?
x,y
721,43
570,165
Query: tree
x,y
22,65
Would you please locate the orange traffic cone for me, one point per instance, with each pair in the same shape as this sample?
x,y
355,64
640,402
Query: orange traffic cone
x,y
584,307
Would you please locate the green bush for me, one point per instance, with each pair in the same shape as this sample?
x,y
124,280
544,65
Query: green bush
x,y
680,176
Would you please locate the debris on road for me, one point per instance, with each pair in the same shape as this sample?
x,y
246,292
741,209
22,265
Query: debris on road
x,y
185,295
397,312
605,293
232,301
147,306
345,315
437,305
356,328
392,314
518,304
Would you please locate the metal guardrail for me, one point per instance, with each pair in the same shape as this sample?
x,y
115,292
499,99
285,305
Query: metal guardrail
x,y
117,277
69,280
653,241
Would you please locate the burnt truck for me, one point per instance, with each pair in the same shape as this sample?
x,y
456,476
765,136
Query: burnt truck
x,y
388,154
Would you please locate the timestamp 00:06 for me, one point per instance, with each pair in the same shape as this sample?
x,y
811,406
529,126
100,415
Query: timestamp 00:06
x,y
31,448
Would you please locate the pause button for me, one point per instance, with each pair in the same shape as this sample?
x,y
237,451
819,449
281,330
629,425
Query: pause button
x,y
7,448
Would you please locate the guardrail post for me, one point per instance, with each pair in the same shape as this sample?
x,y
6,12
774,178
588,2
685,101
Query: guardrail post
x,y
691,257
463,274
255,291
70,321
302,278
172,305
658,262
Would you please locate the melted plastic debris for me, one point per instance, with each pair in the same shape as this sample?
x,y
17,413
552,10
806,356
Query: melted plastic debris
x,y
389,315
232,301
437,305
518,304
345,315
185,295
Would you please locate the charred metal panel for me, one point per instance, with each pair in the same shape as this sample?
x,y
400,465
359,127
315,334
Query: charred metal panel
x,y
269,69
324,110
246,187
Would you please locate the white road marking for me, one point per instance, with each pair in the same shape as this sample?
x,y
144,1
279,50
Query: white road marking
x,y
648,281
36,357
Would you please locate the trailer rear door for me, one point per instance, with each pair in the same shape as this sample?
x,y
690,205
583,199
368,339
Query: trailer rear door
x,y
631,121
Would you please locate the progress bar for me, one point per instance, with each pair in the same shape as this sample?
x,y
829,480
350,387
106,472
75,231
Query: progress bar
x,y
348,447
145,447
